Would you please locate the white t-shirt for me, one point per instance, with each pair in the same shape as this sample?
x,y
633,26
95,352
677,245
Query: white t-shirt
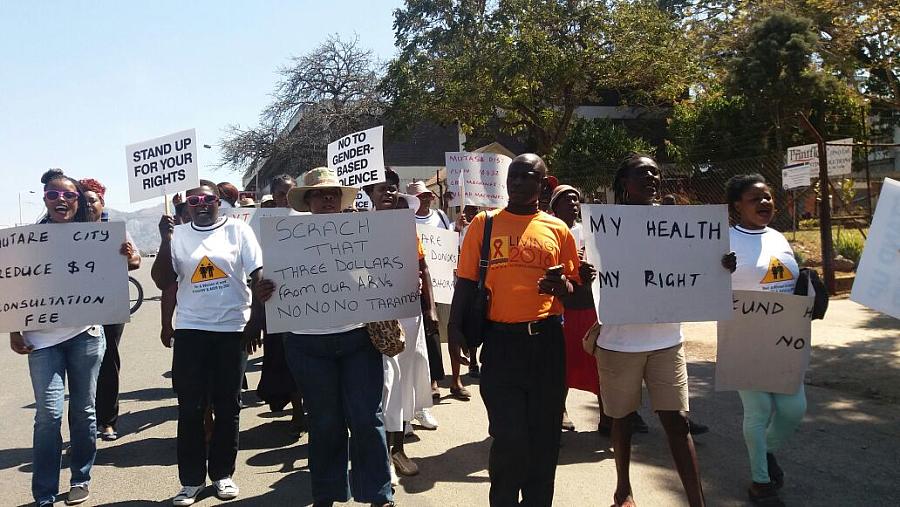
x,y
435,218
765,260
639,337
43,338
334,330
213,264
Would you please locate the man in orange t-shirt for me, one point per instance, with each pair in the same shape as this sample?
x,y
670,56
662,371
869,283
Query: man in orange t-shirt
x,y
523,357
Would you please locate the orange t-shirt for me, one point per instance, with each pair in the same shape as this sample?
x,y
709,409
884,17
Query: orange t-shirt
x,y
522,248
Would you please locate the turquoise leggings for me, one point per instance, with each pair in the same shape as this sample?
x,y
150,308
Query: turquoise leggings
x,y
769,419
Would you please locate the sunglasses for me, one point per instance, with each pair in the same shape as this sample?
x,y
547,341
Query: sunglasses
x,y
52,195
199,200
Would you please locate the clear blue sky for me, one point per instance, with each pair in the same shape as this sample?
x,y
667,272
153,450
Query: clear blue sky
x,y
80,80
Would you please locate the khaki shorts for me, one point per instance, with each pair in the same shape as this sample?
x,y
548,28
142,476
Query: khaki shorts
x,y
664,371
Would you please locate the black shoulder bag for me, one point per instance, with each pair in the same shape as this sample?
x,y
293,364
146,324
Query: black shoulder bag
x,y
473,325
807,278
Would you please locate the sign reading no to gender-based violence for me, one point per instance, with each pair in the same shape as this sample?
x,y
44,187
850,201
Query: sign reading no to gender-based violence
x,y
162,166
441,254
840,158
658,263
338,269
477,179
877,283
358,159
62,275
766,344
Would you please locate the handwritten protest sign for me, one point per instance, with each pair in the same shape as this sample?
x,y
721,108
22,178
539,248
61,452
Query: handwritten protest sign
x,y
163,165
766,344
658,263
338,269
441,254
62,275
477,179
358,159
877,283
840,158
252,216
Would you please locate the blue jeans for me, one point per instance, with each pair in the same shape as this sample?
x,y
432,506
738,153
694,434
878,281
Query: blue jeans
x,y
341,377
78,359
769,420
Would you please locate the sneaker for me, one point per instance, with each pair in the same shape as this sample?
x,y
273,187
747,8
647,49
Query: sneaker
x,y
426,419
108,434
187,495
44,503
78,494
395,479
408,429
226,489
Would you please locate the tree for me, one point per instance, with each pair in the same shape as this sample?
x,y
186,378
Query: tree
x,y
774,74
323,95
522,67
590,154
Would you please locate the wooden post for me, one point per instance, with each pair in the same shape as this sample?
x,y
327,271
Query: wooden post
x,y
824,207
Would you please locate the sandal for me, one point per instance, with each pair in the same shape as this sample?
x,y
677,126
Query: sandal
x,y
461,393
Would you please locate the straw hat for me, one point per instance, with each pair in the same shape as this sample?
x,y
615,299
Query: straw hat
x,y
560,190
320,177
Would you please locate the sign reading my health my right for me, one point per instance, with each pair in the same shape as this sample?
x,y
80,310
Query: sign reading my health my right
x,y
658,263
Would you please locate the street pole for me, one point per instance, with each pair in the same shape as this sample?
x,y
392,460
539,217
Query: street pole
x,y
825,206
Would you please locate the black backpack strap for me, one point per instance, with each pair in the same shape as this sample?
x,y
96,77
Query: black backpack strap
x,y
485,249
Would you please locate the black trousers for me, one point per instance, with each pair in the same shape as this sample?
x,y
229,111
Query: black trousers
x,y
107,404
523,387
207,368
435,360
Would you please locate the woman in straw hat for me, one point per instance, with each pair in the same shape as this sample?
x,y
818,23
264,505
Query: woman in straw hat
x,y
340,374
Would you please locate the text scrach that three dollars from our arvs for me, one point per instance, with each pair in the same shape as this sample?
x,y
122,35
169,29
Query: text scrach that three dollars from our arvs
x,y
162,164
338,272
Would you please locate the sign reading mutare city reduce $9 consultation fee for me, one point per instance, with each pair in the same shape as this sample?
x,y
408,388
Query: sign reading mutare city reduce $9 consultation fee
x,y
62,275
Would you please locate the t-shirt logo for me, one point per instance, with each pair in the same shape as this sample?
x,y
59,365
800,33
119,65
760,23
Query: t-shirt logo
x,y
499,249
777,272
207,271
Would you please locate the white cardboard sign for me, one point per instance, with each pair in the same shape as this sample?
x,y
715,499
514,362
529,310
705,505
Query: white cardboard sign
x,y
442,255
477,179
840,158
795,176
162,166
766,345
62,275
658,263
341,268
877,283
358,159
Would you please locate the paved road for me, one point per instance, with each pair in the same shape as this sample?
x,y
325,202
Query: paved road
x,y
846,453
